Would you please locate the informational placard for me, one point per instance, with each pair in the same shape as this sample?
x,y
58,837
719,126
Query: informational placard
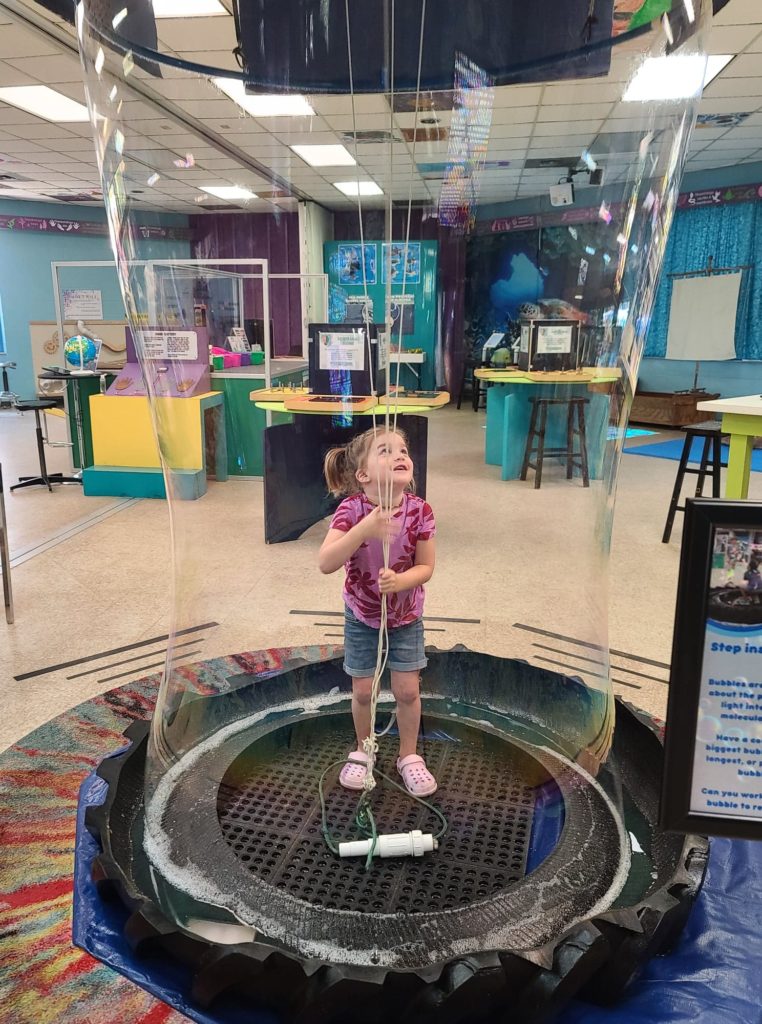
x,y
554,339
383,349
713,769
341,351
82,304
181,345
524,341
238,343
727,766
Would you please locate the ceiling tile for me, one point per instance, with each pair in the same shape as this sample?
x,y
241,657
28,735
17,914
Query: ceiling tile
x,y
747,65
728,106
570,114
735,87
731,39
739,12
50,69
188,35
15,42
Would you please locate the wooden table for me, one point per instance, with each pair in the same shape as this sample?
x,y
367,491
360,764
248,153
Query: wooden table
x,y
742,419
509,410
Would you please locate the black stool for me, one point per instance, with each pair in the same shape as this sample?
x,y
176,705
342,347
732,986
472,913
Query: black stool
x,y
7,397
35,406
470,365
537,425
711,432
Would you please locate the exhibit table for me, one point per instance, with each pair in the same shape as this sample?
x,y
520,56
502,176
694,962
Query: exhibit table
x,y
126,456
295,492
742,419
509,410
244,425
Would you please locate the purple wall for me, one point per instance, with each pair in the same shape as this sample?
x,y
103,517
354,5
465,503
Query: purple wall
x,y
452,272
274,237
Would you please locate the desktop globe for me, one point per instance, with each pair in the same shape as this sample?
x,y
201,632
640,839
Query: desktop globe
x,y
79,350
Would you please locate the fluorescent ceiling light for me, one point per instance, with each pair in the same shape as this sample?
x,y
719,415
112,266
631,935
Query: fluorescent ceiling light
x,y
674,77
325,156
187,8
259,105
228,191
44,102
358,188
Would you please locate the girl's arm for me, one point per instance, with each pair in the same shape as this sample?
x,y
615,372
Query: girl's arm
x,y
339,545
391,582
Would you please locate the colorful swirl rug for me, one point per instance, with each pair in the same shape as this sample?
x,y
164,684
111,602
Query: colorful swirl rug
x,y
44,979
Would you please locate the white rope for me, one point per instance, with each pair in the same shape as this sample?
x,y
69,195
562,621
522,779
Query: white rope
x,y
370,743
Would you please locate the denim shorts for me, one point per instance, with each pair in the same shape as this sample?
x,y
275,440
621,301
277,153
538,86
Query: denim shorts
x,y
406,652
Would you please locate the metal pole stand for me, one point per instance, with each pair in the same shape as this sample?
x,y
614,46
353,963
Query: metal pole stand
x,y
5,557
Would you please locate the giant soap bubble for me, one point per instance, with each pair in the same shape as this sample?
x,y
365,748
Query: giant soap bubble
x,y
375,195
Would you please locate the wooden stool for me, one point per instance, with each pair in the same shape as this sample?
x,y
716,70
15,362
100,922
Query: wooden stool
x,y
537,426
711,431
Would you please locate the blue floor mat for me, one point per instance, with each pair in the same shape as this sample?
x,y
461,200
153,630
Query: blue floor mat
x,y
674,449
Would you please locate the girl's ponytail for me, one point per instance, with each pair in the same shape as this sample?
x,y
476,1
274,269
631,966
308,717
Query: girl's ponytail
x,y
336,471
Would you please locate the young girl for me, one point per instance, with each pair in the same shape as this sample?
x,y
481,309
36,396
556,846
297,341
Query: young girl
x,y
367,469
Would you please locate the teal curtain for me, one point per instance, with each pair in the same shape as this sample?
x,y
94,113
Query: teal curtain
x,y
731,236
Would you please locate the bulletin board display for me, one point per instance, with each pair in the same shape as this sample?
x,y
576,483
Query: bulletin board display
x,y
357,275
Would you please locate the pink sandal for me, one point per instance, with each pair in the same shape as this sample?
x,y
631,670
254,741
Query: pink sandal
x,y
417,778
354,771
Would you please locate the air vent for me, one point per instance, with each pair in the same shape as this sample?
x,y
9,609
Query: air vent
x,y
426,134
404,102
13,177
369,137
76,197
563,162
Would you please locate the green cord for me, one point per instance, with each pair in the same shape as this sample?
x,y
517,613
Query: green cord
x,y
364,819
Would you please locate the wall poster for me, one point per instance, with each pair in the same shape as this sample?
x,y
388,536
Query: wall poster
x,y
713,760
351,264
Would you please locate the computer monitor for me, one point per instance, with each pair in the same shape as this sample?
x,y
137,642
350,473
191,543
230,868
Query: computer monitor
x,y
340,362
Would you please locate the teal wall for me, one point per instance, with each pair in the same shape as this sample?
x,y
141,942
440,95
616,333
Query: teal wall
x,y
26,286
424,292
731,378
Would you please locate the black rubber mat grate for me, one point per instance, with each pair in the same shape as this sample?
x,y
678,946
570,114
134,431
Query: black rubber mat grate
x,y
270,815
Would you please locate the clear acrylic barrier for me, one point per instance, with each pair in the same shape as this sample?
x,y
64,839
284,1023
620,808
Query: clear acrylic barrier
x,y
519,569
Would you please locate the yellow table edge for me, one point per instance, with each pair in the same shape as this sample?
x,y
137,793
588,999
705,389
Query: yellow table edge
x,y
605,376
342,411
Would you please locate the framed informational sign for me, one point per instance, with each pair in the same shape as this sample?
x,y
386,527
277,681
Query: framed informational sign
x,y
551,345
82,304
170,345
713,758
341,351
554,339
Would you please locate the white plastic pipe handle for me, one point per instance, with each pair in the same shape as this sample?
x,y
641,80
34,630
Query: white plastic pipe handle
x,y
400,844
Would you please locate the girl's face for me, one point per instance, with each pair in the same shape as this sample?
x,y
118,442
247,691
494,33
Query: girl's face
x,y
387,460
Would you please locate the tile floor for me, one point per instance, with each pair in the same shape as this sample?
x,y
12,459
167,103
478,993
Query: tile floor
x,y
94,574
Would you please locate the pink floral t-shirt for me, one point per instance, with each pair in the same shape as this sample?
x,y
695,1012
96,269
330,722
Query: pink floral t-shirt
x,y
361,592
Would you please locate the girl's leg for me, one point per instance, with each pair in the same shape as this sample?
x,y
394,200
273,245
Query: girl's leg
x,y
406,687
361,688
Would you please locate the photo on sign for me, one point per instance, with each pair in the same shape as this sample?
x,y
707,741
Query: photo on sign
x,y
735,588
712,779
351,264
403,270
